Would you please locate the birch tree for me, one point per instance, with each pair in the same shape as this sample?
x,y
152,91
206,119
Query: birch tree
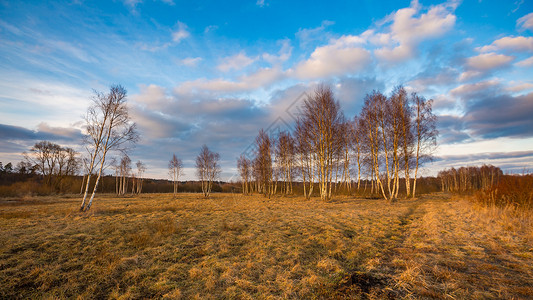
x,y
322,115
125,169
306,157
175,169
141,168
425,132
207,169
244,165
285,152
108,128
264,163
372,137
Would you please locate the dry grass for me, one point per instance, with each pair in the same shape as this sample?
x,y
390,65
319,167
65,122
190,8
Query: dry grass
x,y
232,246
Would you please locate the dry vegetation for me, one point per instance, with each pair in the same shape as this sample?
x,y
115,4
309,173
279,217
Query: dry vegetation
x,y
233,246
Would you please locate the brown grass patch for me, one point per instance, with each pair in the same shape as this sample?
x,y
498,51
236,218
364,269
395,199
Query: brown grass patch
x,y
232,246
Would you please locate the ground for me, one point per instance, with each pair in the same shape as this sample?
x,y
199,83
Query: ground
x,y
250,247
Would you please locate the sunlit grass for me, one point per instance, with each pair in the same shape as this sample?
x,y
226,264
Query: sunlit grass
x,y
233,246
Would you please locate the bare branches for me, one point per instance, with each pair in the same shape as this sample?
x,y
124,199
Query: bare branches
x,y
207,169
425,131
141,168
175,170
263,163
108,128
244,165
321,118
53,161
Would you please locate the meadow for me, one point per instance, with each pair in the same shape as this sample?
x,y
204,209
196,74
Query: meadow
x,y
250,247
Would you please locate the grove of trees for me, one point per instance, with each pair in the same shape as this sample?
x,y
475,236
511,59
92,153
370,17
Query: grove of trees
x,y
54,162
385,144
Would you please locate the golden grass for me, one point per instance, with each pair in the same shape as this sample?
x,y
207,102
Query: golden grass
x,y
249,247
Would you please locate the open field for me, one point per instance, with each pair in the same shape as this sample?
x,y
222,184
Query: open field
x,y
233,246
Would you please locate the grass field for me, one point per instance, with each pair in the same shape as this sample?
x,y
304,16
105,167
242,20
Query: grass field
x,y
249,247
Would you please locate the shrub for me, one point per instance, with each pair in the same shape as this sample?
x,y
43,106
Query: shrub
x,y
512,190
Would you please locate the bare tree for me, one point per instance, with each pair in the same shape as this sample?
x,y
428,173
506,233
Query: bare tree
x,y
285,154
68,164
322,117
405,115
356,135
54,162
244,165
141,168
175,170
263,163
43,155
124,171
425,132
207,169
306,156
370,125
469,179
109,128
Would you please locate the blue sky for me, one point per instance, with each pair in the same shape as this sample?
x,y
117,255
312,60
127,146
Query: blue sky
x,y
216,72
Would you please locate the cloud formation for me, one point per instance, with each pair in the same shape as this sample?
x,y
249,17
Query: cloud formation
x,y
16,139
408,30
518,43
180,33
525,22
489,61
191,61
235,62
184,92
333,60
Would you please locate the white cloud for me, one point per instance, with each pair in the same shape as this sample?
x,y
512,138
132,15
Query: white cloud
x,y
518,43
525,22
236,62
468,89
395,54
260,3
407,30
348,40
467,75
520,87
283,55
263,77
528,62
338,58
58,131
378,39
488,61
260,79
181,33
152,97
191,61
308,35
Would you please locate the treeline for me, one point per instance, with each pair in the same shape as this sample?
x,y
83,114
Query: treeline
x,y
490,186
384,145
16,184
469,179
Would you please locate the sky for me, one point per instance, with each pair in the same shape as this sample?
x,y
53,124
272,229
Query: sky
x,y
215,72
